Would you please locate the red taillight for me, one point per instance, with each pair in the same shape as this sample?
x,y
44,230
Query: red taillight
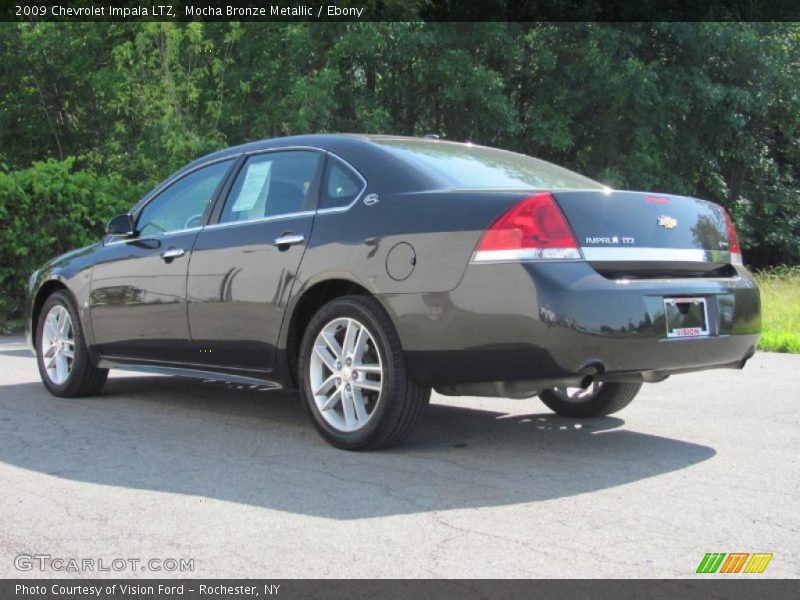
x,y
733,241
534,228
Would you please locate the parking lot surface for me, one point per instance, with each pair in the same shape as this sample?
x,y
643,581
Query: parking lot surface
x,y
236,479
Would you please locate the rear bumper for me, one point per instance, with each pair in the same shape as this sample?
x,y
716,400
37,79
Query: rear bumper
x,y
558,319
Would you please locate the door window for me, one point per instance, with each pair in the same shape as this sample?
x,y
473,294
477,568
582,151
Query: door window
x,y
270,185
183,204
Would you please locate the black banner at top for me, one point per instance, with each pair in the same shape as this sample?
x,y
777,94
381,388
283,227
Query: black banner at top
x,y
400,10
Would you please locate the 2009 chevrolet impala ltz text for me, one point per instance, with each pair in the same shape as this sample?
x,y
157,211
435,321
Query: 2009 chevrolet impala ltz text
x,y
366,270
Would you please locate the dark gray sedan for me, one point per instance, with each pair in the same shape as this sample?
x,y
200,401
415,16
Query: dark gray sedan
x,y
366,270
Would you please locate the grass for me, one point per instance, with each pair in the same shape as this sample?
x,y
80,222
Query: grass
x,y
780,309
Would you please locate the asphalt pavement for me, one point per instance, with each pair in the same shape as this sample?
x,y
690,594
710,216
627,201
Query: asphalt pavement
x,y
235,481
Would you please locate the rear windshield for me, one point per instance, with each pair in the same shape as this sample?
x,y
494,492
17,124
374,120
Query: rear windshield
x,y
478,167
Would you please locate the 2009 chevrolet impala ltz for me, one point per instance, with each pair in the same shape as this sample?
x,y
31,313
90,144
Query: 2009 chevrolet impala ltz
x,y
366,270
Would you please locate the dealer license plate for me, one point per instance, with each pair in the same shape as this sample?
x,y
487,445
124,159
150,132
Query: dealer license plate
x,y
686,317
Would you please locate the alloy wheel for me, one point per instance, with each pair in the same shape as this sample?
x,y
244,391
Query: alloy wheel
x,y
57,347
346,374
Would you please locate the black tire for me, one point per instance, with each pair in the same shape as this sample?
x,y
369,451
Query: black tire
x,y
402,402
84,378
610,398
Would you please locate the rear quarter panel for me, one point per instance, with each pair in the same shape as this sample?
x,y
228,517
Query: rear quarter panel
x,y
442,228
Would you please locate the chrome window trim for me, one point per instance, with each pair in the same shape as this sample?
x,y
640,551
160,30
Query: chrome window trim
x,y
647,254
304,213
281,149
150,237
338,209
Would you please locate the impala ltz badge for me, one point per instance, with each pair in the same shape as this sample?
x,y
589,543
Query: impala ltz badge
x,y
667,222
614,239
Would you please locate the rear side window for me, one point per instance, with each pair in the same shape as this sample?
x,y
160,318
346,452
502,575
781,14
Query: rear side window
x,y
271,185
478,167
340,185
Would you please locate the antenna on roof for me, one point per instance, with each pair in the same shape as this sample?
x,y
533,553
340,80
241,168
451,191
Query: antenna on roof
x,y
431,136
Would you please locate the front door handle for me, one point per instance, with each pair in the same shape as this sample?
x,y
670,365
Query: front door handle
x,y
173,253
288,239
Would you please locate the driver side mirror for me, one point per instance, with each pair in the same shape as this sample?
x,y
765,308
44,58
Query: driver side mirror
x,y
121,225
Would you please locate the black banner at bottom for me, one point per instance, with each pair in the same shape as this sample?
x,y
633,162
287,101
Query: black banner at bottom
x,y
425,589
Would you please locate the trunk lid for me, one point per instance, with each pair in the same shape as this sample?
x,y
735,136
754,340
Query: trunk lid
x,y
640,234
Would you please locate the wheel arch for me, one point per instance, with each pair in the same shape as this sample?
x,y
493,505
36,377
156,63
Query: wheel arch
x,y
306,305
47,289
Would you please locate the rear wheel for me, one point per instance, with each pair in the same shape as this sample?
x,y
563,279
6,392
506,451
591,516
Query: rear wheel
x,y
64,363
353,376
597,400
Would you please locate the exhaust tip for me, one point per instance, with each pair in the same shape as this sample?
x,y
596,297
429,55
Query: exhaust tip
x,y
592,371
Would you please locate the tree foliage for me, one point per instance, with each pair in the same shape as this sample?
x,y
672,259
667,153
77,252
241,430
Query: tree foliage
x,y
704,109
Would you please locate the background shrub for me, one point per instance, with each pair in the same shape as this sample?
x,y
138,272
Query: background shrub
x,y
45,210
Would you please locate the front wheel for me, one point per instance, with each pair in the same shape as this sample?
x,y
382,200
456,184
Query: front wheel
x,y
353,376
64,363
597,400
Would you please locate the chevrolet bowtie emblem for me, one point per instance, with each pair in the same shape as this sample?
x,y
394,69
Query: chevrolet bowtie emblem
x,y
667,222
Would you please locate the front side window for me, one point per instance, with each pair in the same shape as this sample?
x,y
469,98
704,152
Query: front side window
x,y
340,186
271,185
183,204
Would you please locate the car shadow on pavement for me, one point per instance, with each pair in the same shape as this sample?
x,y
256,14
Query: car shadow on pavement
x,y
244,444
18,353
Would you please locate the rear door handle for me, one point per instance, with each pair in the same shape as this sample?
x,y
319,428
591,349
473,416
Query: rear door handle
x,y
173,253
288,239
